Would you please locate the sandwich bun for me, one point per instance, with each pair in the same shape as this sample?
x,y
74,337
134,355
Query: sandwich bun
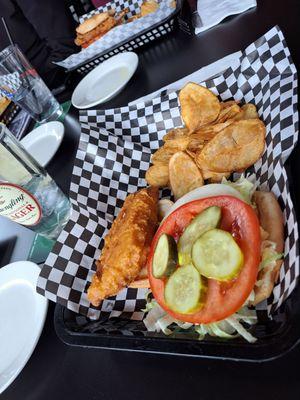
x,y
271,220
91,23
141,281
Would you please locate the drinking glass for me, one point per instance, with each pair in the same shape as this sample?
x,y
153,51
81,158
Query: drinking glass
x,y
20,82
28,195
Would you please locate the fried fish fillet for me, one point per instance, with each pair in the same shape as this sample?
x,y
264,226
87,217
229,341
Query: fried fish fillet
x,y
126,246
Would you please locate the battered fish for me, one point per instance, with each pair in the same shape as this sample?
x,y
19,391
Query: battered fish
x,y
126,246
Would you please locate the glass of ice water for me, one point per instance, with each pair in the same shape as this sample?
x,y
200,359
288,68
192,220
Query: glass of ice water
x,y
28,195
20,82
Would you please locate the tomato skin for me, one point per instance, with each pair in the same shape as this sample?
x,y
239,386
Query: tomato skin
x,y
222,299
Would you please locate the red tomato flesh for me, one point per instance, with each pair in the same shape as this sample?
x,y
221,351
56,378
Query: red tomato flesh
x,y
222,299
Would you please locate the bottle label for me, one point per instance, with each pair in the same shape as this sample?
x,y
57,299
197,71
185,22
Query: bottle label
x,y
19,205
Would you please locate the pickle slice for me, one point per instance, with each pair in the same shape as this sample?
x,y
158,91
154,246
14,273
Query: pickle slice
x,y
165,256
216,255
183,290
206,220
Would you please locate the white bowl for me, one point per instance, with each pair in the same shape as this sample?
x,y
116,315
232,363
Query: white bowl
x,y
105,81
43,142
22,315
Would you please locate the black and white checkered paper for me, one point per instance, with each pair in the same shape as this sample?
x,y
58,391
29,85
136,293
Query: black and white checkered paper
x,y
120,33
114,155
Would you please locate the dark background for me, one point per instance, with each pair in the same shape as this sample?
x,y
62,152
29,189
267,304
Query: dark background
x,y
56,371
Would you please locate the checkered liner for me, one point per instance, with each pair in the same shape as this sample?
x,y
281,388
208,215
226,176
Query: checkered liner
x,y
114,154
120,33
9,84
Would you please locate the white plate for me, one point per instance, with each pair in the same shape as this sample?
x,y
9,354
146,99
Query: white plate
x,y
22,317
105,81
43,142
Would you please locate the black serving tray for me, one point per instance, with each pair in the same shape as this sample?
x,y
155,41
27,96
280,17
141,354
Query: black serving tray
x,y
146,37
275,337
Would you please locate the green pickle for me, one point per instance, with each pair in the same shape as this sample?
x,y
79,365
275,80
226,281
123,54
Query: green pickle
x,y
165,256
183,290
217,256
206,220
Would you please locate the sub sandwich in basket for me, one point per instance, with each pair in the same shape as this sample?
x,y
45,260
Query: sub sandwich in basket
x,y
218,249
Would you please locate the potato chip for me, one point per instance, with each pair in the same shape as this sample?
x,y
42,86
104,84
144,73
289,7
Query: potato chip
x,y
229,103
199,106
176,133
163,154
249,112
196,144
215,177
184,174
158,175
192,154
179,143
236,147
208,132
228,113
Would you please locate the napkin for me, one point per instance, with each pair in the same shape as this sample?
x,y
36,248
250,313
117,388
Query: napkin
x,y
212,12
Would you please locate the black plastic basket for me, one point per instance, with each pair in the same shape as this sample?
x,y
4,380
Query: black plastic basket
x,y
275,337
10,113
137,41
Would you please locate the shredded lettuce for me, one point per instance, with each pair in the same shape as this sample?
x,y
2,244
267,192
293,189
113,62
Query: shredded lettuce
x,y
244,186
269,255
158,320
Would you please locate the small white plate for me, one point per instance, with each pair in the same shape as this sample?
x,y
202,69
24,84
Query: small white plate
x,y
43,142
105,81
22,317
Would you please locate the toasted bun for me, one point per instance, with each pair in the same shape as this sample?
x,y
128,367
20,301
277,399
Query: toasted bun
x,y
91,23
271,220
4,103
140,283
142,280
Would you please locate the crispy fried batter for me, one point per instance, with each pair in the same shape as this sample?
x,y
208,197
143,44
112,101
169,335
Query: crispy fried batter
x,y
126,245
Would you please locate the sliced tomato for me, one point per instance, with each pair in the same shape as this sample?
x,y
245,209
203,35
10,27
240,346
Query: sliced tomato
x,y
222,299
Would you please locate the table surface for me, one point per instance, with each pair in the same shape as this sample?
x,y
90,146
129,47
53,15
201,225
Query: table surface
x,y
57,371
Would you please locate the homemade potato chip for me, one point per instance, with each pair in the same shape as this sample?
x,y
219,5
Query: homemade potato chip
x,y
229,103
176,133
199,106
158,175
218,138
208,132
163,155
236,147
195,144
228,113
184,174
179,143
248,112
215,177
170,147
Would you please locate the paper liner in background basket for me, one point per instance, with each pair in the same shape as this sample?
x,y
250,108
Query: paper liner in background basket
x,y
114,155
120,33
